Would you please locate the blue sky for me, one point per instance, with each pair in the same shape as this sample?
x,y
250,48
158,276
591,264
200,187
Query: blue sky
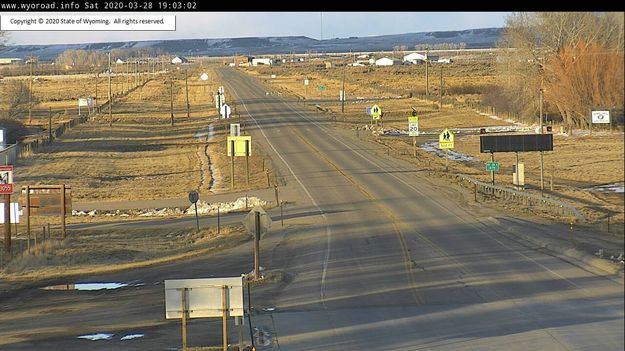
x,y
242,24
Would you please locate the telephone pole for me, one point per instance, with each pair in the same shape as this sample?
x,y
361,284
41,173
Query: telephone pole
x,y
186,88
171,99
30,92
440,93
343,95
427,78
110,96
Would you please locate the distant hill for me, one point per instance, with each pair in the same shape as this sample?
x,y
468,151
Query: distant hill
x,y
473,38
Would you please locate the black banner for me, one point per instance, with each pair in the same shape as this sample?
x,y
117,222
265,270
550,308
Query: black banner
x,y
516,143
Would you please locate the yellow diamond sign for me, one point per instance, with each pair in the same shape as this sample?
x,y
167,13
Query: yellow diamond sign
x,y
446,139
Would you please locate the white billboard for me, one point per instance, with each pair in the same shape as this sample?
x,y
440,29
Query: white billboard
x,y
204,297
600,116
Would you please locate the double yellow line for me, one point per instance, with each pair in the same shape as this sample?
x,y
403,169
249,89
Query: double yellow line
x,y
394,220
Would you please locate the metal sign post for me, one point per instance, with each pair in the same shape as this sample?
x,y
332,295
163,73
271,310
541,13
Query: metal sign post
x,y
193,198
232,143
247,161
446,141
413,130
256,245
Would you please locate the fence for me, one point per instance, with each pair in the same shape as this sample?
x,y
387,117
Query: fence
x,y
553,206
9,155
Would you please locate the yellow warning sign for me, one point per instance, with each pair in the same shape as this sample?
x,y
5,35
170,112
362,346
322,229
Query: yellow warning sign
x,y
239,144
446,139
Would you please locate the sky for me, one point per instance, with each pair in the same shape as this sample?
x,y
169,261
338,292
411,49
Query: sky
x,y
204,25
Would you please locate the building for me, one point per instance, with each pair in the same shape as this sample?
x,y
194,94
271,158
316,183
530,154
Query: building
x,y
242,61
385,61
119,61
262,61
328,64
10,61
178,60
414,57
445,60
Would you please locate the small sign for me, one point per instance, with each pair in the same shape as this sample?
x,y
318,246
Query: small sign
x,y
85,102
15,212
600,116
225,111
321,87
376,112
306,82
413,126
6,179
342,95
250,221
492,166
273,76
193,196
239,145
204,76
368,111
221,90
235,129
446,139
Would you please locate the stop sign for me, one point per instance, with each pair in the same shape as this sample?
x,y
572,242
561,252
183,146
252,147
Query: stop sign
x,y
250,221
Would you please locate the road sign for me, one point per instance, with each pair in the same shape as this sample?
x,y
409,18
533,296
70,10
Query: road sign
x,y
221,90
204,76
193,196
306,82
6,179
225,111
239,145
204,297
413,126
342,95
321,87
376,111
47,200
600,116
235,129
368,111
492,166
250,221
15,212
446,139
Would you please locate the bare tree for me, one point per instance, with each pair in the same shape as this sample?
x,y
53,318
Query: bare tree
x,y
14,99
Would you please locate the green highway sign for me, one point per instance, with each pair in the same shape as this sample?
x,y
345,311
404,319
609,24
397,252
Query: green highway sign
x,y
322,87
492,166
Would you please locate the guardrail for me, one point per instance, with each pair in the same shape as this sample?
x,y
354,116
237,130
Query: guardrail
x,y
554,206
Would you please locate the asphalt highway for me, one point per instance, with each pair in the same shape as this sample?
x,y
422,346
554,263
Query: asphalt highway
x,y
374,256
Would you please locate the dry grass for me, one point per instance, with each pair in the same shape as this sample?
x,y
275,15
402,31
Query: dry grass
x,y
577,162
100,251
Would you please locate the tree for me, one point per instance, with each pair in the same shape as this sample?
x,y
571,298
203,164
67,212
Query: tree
x,y
546,50
14,99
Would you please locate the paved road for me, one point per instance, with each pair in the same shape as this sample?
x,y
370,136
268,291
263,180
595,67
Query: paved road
x,y
374,256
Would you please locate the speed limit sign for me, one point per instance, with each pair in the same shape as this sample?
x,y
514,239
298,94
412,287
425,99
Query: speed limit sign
x,y
413,126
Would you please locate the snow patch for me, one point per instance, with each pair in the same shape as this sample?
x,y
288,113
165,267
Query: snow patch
x,y
94,337
616,187
453,155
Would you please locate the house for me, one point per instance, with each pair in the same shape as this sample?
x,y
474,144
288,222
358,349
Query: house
x,y
10,61
262,61
178,60
241,61
385,61
119,61
363,56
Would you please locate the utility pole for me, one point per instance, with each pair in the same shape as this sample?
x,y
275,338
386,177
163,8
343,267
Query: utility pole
x,y
127,75
427,78
30,92
440,93
97,75
186,88
343,95
50,124
540,113
110,96
171,99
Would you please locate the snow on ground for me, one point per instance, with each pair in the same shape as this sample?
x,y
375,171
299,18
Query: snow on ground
x,y
616,187
202,208
453,155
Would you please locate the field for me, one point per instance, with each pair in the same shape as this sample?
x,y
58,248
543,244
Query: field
x,y
398,89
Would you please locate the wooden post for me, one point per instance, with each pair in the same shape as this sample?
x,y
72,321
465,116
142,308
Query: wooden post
x,y
50,124
28,216
414,146
7,223
257,245
186,88
232,164
171,100
224,301
247,161
492,173
63,210
218,221
184,319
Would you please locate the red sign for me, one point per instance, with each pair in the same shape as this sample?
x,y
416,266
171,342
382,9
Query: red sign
x,y
6,189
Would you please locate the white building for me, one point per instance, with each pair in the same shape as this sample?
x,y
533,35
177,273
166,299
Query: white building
x,y
178,60
385,61
414,57
119,61
262,61
445,60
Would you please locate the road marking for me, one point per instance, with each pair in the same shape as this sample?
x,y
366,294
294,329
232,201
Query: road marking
x,y
323,215
435,202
